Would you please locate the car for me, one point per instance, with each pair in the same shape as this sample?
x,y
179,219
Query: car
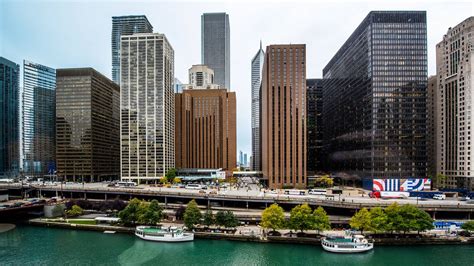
x,y
439,197
317,192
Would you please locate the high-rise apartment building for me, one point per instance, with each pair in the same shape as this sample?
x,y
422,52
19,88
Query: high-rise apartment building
x,y
215,46
374,109
257,65
284,116
87,125
38,117
206,135
314,126
9,118
147,107
455,100
125,25
431,129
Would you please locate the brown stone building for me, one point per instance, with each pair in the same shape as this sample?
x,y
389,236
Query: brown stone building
x,y
205,128
283,116
87,125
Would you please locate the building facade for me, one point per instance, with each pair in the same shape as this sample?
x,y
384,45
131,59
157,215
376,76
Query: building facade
x,y
455,98
215,46
257,65
38,118
201,77
147,107
206,134
431,116
374,109
87,126
125,25
314,126
284,116
9,118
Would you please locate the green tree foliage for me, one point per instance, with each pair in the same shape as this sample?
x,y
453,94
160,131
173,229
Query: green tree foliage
x,y
395,220
150,213
423,221
74,211
208,218
273,217
414,219
468,226
361,220
324,181
226,219
192,214
129,215
301,218
170,175
379,219
321,219
177,180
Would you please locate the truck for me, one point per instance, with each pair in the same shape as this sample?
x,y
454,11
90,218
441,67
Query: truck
x,y
389,194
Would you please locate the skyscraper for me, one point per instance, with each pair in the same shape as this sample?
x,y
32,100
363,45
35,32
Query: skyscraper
x,y
284,116
125,25
215,46
147,106
314,124
257,64
431,114
455,100
205,123
38,117
9,118
87,125
374,109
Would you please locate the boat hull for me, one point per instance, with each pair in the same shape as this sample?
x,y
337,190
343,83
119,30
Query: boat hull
x,y
348,250
184,238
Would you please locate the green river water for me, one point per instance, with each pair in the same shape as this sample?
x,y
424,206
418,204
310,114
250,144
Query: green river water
x,y
26,245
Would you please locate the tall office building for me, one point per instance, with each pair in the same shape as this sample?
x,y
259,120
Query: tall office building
x,y
205,123
178,86
147,106
9,118
125,25
87,125
215,46
314,126
38,117
431,125
374,109
284,116
455,98
257,65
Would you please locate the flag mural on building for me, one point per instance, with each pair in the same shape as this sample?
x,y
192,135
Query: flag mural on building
x,y
410,184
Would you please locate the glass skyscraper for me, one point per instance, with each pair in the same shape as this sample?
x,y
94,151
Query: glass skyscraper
x,y
257,65
314,125
215,46
374,108
9,118
38,116
125,25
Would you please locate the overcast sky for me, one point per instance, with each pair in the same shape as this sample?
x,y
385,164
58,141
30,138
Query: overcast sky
x,y
63,34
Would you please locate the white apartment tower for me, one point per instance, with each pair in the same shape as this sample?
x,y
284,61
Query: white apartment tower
x,y
455,105
257,65
147,106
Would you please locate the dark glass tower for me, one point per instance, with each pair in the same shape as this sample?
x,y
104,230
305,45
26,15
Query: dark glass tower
x,y
9,118
314,125
374,109
125,25
38,119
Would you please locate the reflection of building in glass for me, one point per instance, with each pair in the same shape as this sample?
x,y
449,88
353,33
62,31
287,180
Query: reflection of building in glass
x,y
38,151
374,108
9,118
147,106
314,126
87,125
257,64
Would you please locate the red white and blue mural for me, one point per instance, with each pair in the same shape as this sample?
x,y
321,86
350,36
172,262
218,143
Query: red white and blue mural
x,y
410,184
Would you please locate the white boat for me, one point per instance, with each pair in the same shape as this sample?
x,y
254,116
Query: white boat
x,y
160,234
351,244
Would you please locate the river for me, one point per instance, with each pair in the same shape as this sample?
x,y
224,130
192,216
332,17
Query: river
x,y
27,245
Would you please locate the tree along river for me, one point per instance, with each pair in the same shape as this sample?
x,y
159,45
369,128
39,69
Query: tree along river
x,y
27,245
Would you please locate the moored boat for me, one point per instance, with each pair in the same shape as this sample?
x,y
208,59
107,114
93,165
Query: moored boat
x,y
160,234
348,244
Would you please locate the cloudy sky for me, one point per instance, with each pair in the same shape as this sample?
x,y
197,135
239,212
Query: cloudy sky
x,y
64,34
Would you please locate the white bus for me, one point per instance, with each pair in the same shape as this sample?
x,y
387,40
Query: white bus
x,y
194,186
295,192
126,184
317,192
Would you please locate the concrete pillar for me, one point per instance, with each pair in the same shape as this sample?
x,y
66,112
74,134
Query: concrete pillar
x,y
166,201
85,196
105,196
434,215
247,204
208,203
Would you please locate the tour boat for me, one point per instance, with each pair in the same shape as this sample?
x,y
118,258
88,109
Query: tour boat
x,y
348,244
160,234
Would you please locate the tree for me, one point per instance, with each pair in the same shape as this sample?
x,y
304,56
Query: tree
x,y
226,219
177,180
361,220
409,215
151,214
208,218
170,175
378,219
324,181
423,221
301,218
163,180
74,211
394,219
273,217
58,210
468,226
129,215
192,215
321,219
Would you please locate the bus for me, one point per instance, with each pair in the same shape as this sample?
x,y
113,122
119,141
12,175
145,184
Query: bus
x,y
126,184
317,192
194,186
295,192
